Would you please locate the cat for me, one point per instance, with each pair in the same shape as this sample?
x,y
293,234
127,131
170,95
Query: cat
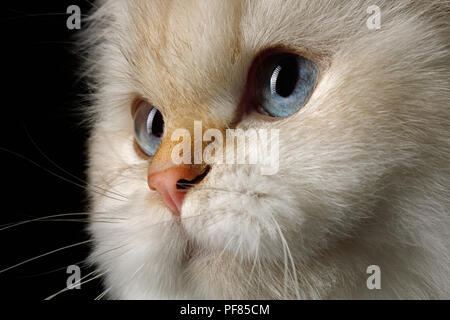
x,y
364,144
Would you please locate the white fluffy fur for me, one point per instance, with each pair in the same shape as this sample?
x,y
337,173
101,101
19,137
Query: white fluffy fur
x,y
364,167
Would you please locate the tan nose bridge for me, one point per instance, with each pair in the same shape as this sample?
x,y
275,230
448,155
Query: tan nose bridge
x,y
172,180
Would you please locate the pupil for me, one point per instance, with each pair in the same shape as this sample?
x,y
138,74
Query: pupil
x,y
158,124
287,78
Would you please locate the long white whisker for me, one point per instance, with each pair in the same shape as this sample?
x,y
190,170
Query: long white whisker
x,y
255,260
79,282
101,295
45,254
67,172
286,247
8,226
52,271
55,174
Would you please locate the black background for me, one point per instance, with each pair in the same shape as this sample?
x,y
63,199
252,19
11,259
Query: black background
x,y
41,98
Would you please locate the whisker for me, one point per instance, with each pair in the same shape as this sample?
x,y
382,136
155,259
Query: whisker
x,y
83,262
16,224
93,4
23,15
53,173
44,14
46,254
78,220
64,170
287,251
255,260
182,219
77,263
101,295
51,271
202,187
79,282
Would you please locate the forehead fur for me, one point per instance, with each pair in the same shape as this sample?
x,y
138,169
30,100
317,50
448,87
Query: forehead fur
x,y
180,54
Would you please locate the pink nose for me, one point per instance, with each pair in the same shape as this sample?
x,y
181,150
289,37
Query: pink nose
x,y
167,183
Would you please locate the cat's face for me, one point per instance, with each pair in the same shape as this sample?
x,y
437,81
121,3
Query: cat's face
x,y
311,229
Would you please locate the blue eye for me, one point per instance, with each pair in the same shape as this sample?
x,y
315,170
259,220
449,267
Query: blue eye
x,y
148,127
284,83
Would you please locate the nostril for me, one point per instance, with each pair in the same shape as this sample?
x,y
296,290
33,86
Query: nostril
x,y
186,184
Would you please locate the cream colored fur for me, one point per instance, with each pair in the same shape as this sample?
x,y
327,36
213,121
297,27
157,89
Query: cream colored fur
x,y
364,167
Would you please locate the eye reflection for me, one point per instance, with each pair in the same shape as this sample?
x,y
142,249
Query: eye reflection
x,y
148,127
284,83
